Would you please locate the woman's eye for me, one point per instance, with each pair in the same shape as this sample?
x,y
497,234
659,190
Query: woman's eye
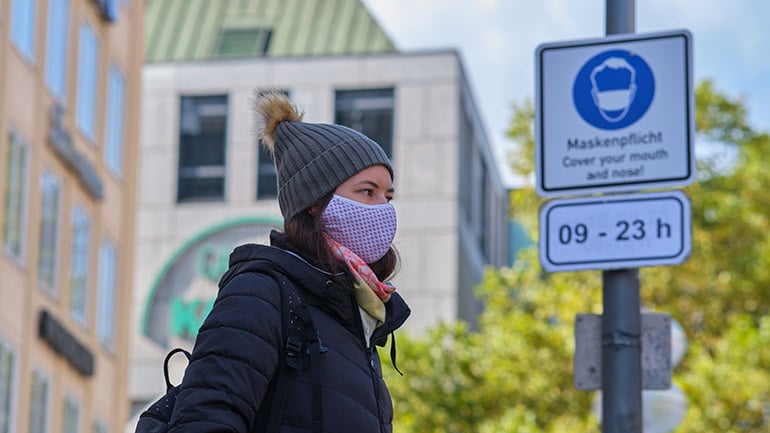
x,y
368,192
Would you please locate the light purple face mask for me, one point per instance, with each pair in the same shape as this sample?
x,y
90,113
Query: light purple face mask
x,y
367,230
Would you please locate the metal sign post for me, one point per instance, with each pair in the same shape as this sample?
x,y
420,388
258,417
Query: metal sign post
x,y
621,352
621,316
615,115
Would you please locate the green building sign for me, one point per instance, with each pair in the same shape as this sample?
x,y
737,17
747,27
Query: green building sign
x,y
185,289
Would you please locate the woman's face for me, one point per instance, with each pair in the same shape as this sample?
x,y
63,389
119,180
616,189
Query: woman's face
x,y
371,185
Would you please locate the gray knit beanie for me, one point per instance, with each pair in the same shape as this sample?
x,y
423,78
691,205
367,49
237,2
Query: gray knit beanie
x,y
311,159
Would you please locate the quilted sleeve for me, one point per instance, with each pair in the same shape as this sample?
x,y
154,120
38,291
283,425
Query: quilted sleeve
x,y
234,357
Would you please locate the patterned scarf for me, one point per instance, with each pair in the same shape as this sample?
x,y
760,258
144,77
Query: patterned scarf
x,y
371,293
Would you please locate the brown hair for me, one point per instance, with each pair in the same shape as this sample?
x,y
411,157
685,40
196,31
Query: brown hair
x,y
305,232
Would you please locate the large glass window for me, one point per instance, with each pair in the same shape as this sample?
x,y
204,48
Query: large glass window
x,y
202,145
23,27
7,360
87,80
113,133
15,197
38,409
56,51
369,111
466,164
267,178
49,227
482,226
71,415
79,264
105,312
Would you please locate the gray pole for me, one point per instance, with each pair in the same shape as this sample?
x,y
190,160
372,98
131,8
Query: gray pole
x,y
620,17
621,318
621,353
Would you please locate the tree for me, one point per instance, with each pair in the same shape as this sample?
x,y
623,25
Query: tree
x,y
731,211
728,384
515,373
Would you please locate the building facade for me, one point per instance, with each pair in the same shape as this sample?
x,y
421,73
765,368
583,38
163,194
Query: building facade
x,y
206,185
69,99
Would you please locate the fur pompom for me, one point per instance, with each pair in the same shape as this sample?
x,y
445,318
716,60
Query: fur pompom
x,y
273,107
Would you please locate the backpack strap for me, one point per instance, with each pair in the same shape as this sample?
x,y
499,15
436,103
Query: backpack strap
x,y
169,385
315,348
299,331
155,418
291,349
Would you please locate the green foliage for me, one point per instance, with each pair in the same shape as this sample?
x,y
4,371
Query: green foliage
x,y
730,264
523,161
718,118
514,373
728,387
524,201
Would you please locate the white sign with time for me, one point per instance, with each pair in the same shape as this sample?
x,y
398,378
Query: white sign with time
x,y
616,231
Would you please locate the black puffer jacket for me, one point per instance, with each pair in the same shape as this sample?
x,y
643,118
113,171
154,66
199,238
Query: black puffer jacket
x,y
236,353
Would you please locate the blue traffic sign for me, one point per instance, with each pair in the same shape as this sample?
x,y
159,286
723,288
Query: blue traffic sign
x,y
614,114
613,89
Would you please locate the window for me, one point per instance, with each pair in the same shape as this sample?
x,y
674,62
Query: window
x,y
243,42
267,179
106,295
113,133
368,111
38,409
71,416
202,141
466,163
79,265
7,359
23,27
56,55
100,427
15,197
483,229
49,232
87,80
109,9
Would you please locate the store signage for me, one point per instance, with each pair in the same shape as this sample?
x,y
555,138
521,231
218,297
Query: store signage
x,y
186,287
60,141
65,344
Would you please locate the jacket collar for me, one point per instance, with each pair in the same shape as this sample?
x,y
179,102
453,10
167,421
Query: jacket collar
x,y
323,287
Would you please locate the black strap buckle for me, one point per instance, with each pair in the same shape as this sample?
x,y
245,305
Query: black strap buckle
x,y
293,346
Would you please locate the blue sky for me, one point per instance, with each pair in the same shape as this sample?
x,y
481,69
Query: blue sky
x,y
497,41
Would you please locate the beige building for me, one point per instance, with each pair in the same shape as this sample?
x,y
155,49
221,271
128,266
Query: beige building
x,y
69,98
206,186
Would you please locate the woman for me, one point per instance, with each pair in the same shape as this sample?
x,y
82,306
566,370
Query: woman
x,y
334,188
